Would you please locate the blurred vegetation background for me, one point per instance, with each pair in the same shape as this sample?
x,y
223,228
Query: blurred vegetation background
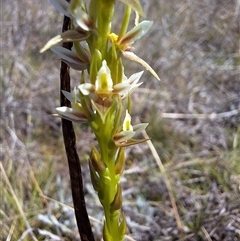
x,y
194,116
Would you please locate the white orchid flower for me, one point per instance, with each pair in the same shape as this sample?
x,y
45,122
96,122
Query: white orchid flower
x,y
125,44
104,87
125,137
76,113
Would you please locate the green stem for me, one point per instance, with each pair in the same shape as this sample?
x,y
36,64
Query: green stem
x,y
112,217
109,179
104,130
106,10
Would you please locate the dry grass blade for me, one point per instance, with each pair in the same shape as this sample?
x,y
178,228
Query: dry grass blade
x,y
206,234
166,179
19,207
90,217
201,116
9,238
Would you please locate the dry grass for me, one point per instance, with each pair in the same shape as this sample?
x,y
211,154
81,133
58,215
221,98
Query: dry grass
x,y
194,47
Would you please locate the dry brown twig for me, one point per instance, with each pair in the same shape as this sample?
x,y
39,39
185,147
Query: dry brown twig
x,y
75,171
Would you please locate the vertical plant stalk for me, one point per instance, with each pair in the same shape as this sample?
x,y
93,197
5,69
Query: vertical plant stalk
x,y
75,172
99,101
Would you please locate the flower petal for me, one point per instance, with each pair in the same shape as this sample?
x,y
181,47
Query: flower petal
x,y
104,83
135,5
134,57
82,19
134,78
86,88
71,96
83,51
68,95
133,87
62,6
128,85
136,33
123,136
67,36
121,88
130,142
66,54
140,127
75,66
68,114
74,35
127,122
54,41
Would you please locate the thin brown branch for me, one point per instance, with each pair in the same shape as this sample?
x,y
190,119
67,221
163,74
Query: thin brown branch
x,y
83,222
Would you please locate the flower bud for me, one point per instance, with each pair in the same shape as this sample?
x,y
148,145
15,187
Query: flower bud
x,y
120,163
95,158
116,204
122,226
96,182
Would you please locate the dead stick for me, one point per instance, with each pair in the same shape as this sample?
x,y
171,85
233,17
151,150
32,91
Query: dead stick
x,y
83,222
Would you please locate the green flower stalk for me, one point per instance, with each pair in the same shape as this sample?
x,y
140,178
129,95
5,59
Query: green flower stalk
x,y
98,99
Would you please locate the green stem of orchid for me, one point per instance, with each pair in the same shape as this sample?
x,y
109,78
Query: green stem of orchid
x,y
98,42
108,178
109,190
105,15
